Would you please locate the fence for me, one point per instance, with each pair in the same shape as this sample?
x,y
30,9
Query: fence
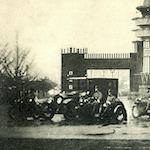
x,y
108,56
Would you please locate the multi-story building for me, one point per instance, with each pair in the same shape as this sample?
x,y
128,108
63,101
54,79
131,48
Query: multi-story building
x,y
143,33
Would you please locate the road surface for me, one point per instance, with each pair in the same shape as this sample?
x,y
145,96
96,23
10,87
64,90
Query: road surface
x,y
131,134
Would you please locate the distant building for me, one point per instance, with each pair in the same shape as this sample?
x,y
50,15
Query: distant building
x,y
143,33
77,62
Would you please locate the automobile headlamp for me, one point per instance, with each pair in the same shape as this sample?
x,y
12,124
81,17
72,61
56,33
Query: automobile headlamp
x,y
59,100
104,104
30,100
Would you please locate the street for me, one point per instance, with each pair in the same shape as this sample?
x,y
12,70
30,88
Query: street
x,y
58,128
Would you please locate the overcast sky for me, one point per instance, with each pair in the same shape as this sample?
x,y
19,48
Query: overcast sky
x,y
46,26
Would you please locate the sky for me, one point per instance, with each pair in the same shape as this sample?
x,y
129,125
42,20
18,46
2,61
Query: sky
x,y
47,26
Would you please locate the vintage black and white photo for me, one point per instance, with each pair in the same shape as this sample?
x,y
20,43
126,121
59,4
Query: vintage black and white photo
x,y
74,74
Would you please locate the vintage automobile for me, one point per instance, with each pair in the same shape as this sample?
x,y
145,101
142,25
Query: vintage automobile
x,y
77,104
21,109
115,113
63,103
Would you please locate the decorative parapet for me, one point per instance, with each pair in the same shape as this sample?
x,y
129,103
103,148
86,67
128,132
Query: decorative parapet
x,y
74,51
108,56
95,56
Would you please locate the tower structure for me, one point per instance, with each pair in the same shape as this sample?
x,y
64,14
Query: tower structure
x,y
143,32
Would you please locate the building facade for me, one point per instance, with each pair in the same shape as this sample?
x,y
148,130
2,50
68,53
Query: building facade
x,y
143,34
76,62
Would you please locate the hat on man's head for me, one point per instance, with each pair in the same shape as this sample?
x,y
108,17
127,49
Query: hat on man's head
x,y
110,91
96,88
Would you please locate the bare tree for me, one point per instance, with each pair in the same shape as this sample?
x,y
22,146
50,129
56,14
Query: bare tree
x,y
14,71
15,74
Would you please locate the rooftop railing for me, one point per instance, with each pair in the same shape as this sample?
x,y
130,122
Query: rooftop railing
x,y
96,56
108,56
74,50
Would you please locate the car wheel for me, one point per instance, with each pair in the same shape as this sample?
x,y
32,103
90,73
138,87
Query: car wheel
x,y
120,115
70,112
48,112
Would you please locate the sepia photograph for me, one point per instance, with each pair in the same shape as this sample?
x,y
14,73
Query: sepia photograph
x,y
74,74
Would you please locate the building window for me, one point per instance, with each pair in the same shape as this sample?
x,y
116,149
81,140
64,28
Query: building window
x,y
70,73
146,43
70,87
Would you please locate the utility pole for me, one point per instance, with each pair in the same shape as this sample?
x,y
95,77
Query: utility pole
x,y
17,80
17,54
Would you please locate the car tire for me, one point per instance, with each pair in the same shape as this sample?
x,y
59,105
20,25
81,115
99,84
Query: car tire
x,y
120,115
